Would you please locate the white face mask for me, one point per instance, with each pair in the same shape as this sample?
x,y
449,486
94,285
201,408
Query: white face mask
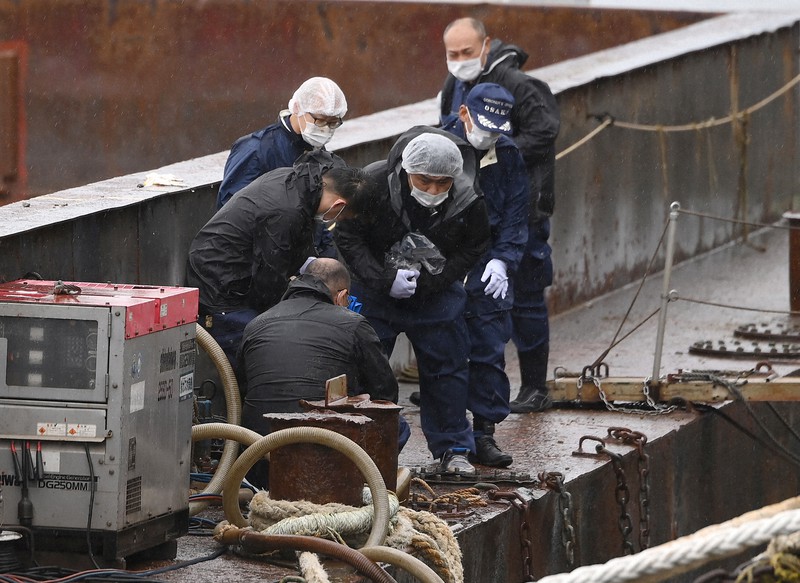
x,y
428,200
481,139
324,220
316,136
468,70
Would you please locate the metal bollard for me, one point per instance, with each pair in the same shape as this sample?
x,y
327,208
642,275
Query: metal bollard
x,y
381,436
319,474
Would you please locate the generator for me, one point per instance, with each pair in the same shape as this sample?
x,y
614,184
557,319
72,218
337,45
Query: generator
x,y
96,385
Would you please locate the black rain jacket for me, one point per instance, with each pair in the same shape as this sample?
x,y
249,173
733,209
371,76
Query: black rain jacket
x,y
535,118
243,257
459,227
288,352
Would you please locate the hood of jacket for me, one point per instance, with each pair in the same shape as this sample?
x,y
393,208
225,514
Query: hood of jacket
x,y
504,55
307,174
464,190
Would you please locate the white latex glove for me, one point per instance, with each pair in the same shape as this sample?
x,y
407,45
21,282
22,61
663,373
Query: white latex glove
x,y
405,284
495,272
305,265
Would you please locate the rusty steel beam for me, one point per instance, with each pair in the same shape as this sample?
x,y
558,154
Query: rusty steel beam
x,y
709,390
794,259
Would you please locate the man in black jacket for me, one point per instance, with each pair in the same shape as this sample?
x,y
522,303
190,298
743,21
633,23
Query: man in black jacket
x,y
408,259
473,57
241,260
288,352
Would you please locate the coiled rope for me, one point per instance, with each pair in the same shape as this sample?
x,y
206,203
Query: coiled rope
x,y
421,534
301,517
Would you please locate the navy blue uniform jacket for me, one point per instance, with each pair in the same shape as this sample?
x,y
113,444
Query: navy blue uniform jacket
x,y
275,146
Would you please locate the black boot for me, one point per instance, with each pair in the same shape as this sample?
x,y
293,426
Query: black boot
x,y
532,396
486,451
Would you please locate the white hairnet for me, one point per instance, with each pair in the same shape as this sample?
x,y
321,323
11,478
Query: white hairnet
x,y
434,155
319,95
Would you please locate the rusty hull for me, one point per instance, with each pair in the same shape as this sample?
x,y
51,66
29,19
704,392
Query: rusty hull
x,y
113,87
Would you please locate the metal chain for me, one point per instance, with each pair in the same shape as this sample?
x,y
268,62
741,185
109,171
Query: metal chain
x,y
656,409
555,482
639,439
621,491
623,495
520,503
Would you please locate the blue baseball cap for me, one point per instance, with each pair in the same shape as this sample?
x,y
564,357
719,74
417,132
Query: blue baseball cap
x,y
489,106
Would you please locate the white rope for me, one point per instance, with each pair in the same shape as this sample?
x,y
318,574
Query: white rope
x,y
319,524
311,568
683,555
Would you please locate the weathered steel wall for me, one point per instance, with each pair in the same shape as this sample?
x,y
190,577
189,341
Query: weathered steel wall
x,y
112,230
119,86
614,192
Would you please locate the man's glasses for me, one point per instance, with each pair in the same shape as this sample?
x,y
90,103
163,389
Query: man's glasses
x,y
322,122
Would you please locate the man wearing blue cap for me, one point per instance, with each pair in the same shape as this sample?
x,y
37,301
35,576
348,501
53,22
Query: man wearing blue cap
x,y
484,120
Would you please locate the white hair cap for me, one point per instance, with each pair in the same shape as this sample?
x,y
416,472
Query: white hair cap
x,y
434,155
319,95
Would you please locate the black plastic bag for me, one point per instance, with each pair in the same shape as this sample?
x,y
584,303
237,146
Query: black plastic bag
x,y
415,251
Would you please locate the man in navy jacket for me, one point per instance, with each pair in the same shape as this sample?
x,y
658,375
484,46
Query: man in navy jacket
x,y
485,122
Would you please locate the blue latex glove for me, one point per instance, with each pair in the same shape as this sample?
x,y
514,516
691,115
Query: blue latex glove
x,y
405,284
495,272
354,305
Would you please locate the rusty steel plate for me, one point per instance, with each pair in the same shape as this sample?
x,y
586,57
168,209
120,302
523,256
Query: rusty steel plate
x,y
775,331
431,475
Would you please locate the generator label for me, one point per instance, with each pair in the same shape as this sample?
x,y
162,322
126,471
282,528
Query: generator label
x,y
165,389
137,396
169,359
188,352
53,482
186,386
81,430
187,359
66,482
52,429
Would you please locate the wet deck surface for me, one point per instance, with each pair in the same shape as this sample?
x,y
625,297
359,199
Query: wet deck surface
x,y
753,274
